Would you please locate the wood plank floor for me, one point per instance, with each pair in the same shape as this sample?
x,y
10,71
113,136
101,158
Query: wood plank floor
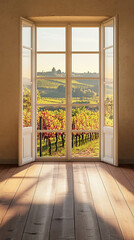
x,y
66,201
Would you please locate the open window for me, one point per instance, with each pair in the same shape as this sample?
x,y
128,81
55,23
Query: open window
x,y
27,96
71,91
109,92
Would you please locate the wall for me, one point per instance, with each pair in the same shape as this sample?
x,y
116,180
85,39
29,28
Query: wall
x,y
10,11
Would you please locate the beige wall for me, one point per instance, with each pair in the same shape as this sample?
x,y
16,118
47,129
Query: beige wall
x,y
10,11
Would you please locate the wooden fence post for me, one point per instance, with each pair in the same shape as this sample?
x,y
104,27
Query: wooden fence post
x,y
56,142
72,140
40,137
49,147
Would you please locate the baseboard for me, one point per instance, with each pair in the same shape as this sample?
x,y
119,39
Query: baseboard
x,y
8,161
126,161
15,161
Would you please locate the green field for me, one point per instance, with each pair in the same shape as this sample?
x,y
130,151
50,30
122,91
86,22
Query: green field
x,y
53,91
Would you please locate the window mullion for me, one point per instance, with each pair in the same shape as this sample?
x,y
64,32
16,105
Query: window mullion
x,y
68,92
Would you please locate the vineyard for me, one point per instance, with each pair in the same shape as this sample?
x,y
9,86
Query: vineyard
x,y
53,143
51,118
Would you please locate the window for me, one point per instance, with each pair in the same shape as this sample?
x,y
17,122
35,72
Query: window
x,y
75,102
54,62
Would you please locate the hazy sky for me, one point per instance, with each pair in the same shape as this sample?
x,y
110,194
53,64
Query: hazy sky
x,y
83,39
53,39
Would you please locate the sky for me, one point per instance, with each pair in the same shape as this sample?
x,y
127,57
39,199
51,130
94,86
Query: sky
x,y
83,39
53,39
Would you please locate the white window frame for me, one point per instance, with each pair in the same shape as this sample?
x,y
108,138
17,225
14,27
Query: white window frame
x,y
68,52
24,131
112,157
68,24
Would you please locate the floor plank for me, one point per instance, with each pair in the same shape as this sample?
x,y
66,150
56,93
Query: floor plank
x,y
124,185
62,226
129,173
86,224
122,212
108,224
5,174
39,219
9,189
14,221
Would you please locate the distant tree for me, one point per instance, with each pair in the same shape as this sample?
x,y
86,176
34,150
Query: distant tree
x,y
61,88
61,91
58,71
53,70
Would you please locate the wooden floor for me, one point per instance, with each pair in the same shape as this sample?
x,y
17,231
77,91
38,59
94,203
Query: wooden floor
x,y
66,201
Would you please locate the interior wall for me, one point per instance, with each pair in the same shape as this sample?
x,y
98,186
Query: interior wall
x,y
10,12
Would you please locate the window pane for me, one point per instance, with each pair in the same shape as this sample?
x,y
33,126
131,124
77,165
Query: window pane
x,y
51,65
27,106
85,91
26,36
51,91
109,65
109,34
51,118
50,39
85,39
85,144
85,64
85,118
26,65
51,144
108,105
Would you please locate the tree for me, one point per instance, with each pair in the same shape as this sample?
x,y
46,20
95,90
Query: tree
x,y
53,70
58,71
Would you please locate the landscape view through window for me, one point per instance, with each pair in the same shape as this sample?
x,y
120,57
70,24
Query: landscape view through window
x,y
51,93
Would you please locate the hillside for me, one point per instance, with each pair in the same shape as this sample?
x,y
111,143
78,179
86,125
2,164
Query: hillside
x,y
83,90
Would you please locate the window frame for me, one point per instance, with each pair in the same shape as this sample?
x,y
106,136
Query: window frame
x,y
25,131
68,52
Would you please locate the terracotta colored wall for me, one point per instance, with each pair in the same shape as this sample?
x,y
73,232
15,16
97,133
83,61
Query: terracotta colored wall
x,y
10,11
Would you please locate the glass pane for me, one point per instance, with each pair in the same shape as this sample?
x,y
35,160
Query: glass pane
x,y
85,64
51,118
27,106
85,39
26,65
50,39
26,36
109,34
51,144
51,65
109,65
51,91
108,105
85,144
85,118
85,91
